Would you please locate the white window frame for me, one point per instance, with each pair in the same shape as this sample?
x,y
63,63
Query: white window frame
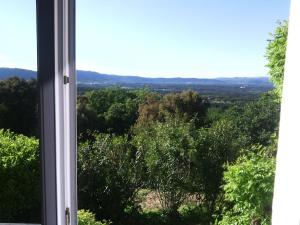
x,y
57,82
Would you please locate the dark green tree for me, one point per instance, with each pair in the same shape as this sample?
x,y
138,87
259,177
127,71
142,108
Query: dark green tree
x,y
87,120
255,122
110,110
19,105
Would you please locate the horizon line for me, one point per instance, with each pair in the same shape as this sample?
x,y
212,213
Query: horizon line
x,y
150,77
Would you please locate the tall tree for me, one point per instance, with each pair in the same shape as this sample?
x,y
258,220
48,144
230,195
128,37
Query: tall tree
x,y
18,105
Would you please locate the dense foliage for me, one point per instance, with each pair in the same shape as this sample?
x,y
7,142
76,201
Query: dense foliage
x,y
248,190
110,110
208,160
215,146
167,149
252,125
109,175
19,178
187,105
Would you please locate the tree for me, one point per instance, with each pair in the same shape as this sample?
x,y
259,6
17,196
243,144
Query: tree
x,y
255,122
121,116
188,105
87,120
19,106
275,55
109,110
19,178
149,110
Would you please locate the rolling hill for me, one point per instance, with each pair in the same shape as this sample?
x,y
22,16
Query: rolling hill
x,y
94,78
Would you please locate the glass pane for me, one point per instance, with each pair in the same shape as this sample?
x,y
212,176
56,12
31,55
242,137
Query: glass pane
x,y
177,114
19,129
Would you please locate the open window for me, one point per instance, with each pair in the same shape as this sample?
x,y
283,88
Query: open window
x,y
151,150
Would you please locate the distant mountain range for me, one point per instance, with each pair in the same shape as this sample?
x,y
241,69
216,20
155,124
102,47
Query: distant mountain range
x,y
94,78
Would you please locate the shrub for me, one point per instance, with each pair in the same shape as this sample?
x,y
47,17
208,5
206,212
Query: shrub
x,y
85,217
19,178
214,147
167,148
248,190
108,176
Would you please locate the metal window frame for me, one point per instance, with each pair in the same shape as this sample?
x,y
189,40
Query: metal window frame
x,y
57,83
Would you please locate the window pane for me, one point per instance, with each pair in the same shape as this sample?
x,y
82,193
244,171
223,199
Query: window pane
x,y
19,129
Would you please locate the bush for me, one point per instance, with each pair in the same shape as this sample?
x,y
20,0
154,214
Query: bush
x,y
167,148
108,176
214,148
85,217
248,190
19,178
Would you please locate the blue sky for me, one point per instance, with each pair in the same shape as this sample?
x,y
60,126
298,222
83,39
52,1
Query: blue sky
x,y
156,38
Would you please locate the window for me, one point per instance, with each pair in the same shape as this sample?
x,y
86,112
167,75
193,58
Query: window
x,y
152,150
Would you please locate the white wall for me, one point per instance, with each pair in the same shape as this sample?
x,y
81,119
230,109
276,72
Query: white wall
x,y
286,200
